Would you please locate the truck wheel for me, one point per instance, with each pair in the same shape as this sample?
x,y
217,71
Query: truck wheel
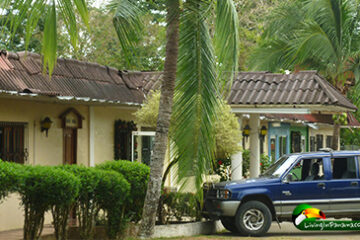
x,y
253,219
229,224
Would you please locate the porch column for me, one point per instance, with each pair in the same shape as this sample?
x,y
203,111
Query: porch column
x,y
254,145
236,159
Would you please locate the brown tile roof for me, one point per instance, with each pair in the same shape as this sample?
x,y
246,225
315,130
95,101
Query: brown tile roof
x,y
301,88
262,88
71,78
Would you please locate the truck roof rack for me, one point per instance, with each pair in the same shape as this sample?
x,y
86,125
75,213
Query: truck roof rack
x,y
326,149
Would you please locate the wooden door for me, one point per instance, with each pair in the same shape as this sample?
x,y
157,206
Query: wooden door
x,y
70,145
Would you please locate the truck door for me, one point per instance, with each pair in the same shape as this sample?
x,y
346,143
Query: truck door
x,y
344,187
305,183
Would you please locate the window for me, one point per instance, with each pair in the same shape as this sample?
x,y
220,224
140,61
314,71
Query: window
x,y
329,141
295,142
319,141
12,142
343,168
272,148
122,141
312,144
282,145
307,170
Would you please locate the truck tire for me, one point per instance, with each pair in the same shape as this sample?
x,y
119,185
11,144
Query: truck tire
x,y
253,218
229,224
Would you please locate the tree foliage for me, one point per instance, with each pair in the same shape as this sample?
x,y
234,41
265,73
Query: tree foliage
x,y
322,35
227,129
28,14
101,44
252,18
227,132
148,113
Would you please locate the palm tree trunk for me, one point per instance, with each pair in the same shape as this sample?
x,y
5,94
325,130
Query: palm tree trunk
x,y
161,138
336,135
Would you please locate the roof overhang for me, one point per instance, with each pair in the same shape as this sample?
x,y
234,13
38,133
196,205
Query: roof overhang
x,y
67,100
289,109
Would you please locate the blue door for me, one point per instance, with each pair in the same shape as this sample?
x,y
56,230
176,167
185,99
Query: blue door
x,y
278,140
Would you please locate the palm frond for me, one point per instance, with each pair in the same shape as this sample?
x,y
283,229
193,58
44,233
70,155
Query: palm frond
x,y
195,100
311,40
271,56
127,23
49,41
30,11
226,39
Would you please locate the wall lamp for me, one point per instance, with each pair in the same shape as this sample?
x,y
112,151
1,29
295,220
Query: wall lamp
x,y
246,131
46,125
263,132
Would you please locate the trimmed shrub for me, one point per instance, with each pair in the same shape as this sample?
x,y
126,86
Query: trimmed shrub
x,y
180,207
137,174
111,193
10,175
87,206
43,188
67,192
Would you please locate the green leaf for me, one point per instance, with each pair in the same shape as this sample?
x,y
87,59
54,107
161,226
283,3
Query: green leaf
x,y
128,24
226,39
82,9
49,41
195,101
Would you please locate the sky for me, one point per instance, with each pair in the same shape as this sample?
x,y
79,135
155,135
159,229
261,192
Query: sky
x,y
98,3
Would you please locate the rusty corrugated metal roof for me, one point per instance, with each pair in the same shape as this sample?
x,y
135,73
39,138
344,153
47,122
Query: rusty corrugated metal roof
x,y
23,74
301,88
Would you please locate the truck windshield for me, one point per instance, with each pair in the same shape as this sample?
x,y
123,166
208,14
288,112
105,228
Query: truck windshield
x,y
280,166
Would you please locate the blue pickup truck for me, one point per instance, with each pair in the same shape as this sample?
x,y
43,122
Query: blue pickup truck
x,y
326,180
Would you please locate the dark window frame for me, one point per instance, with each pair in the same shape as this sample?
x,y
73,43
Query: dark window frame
x,y
12,142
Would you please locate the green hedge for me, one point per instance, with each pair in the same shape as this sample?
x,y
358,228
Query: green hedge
x,y
107,187
112,192
137,174
87,206
9,178
43,188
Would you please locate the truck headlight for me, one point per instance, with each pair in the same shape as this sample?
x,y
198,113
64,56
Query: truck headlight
x,y
223,194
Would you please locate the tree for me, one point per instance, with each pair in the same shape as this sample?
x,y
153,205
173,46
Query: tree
x,y
197,85
18,37
148,54
226,126
196,97
252,16
29,12
321,35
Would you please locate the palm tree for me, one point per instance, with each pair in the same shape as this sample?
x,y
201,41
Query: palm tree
x,y
190,60
192,57
321,35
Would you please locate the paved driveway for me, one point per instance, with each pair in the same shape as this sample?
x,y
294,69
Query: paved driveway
x,y
287,231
